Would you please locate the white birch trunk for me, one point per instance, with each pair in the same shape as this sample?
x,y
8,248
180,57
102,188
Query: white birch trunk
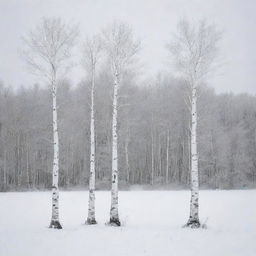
x,y
5,171
167,159
194,218
91,207
160,159
127,158
189,151
114,217
18,162
55,174
27,168
152,158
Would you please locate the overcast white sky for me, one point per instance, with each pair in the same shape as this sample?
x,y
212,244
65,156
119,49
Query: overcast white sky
x,y
153,21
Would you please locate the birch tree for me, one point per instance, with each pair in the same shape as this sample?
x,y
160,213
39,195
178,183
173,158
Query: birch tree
x,y
47,51
121,48
194,51
92,48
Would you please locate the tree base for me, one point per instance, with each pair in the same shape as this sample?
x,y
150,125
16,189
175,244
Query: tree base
x,y
193,224
114,222
55,224
90,222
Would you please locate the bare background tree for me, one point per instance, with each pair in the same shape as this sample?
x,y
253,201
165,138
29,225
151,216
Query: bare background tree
x,y
47,50
194,50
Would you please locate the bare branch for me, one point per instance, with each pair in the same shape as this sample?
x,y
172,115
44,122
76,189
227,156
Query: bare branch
x,y
195,49
92,49
120,45
48,47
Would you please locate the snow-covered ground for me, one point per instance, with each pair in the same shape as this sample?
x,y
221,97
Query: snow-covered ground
x,y
151,220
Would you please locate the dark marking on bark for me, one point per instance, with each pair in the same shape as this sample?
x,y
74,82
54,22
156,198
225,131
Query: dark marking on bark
x,y
90,221
115,222
55,224
192,223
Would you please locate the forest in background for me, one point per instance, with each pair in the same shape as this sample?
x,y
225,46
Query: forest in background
x,y
153,127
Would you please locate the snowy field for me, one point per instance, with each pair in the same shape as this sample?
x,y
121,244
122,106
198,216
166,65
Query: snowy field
x,y
151,220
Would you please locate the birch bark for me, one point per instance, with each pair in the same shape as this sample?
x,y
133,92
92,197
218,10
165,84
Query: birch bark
x,y
114,217
160,159
5,170
127,158
91,207
167,159
55,173
27,168
152,158
194,204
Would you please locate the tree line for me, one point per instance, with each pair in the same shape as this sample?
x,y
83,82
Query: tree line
x,y
227,130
